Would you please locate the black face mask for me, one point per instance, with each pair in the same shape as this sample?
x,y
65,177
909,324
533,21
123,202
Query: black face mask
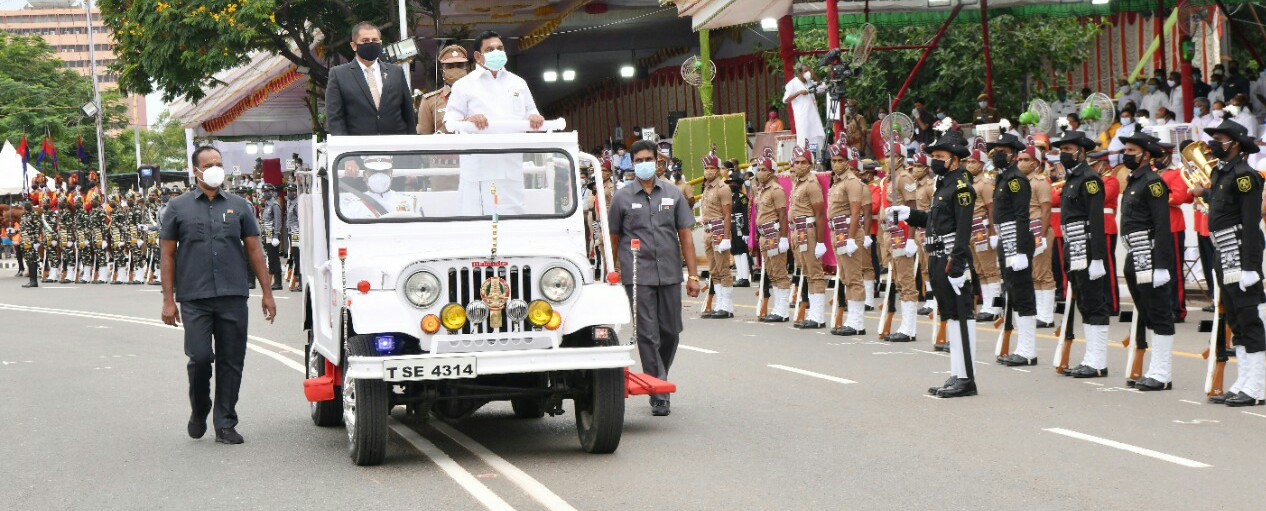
x,y
940,167
369,51
268,196
1000,160
291,196
1218,150
1131,161
1068,160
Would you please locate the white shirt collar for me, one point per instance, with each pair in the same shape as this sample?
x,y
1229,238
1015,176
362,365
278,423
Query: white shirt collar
x,y
367,69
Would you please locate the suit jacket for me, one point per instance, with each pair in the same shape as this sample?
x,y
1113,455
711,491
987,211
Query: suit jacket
x,y
350,108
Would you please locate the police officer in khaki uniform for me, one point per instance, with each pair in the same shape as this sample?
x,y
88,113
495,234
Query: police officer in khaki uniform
x,y
716,208
848,208
984,237
453,64
903,250
1043,237
924,190
807,226
771,229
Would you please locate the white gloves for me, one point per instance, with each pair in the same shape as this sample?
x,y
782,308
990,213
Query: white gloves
x,y
140,243
103,245
819,249
1248,279
274,242
723,246
911,248
993,242
54,242
1040,247
866,242
783,246
1096,270
1160,277
899,213
850,246
957,283
37,246
1019,262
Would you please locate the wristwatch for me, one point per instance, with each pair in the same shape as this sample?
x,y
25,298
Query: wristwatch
x,y
694,278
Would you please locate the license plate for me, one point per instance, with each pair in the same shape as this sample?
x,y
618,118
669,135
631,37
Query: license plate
x,y
430,369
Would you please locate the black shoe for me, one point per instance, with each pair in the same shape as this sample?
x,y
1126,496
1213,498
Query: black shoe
x,y
923,311
295,289
1150,384
197,427
771,318
660,408
949,382
941,347
808,324
1243,399
870,308
1015,359
32,283
960,388
742,283
899,337
276,287
1045,324
847,330
228,436
64,281
1069,371
1208,308
252,286
986,316
1180,319
1087,372
719,314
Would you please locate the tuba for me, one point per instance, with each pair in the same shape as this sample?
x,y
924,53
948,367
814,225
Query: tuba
x,y
1196,167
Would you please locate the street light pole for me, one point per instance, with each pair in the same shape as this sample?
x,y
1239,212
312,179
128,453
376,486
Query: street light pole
x,y
96,95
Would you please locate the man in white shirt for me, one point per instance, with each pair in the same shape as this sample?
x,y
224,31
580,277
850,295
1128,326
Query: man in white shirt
x,y
1175,98
490,93
1257,93
1127,94
804,108
1154,98
1063,106
1203,118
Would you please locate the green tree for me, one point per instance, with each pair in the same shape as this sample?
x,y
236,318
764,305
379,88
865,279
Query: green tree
x,y
162,145
1023,49
39,95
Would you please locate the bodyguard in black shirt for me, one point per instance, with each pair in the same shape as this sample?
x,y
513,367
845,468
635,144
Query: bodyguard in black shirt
x,y
949,223
1011,197
1235,205
1150,254
208,237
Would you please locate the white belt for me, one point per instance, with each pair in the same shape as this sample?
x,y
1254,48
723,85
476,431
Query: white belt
x,y
806,219
1109,211
1054,210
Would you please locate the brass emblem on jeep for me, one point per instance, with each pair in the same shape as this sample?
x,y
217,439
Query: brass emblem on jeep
x,y
495,292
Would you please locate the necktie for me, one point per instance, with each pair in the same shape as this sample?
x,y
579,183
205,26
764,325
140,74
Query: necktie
x,y
373,86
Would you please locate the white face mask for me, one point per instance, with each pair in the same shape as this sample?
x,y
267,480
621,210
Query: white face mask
x,y
213,177
1170,82
1217,113
808,76
378,182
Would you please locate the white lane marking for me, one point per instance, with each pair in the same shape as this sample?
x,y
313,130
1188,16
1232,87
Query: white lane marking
x,y
826,377
529,484
700,350
1129,448
1095,383
1190,402
284,347
937,353
1255,414
464,478
1021,370
277,356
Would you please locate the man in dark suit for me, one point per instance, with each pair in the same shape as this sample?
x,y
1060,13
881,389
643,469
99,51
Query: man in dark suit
x,y
366,96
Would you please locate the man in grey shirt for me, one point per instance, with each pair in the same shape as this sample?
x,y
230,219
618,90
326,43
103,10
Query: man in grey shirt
x,y
655,212
208,237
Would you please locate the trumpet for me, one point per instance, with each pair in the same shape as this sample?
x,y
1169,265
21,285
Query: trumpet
x,y
1195,169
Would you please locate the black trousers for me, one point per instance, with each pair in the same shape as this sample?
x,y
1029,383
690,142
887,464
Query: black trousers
x,y
658,328
1057,268
1092,296
1114,305
1241,313
21,258
274,263
947,301
1177,291
215,333
1018,285
1207,258
1153,306
294,261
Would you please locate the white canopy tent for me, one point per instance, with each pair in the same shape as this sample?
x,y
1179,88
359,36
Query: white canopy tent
x,y
11,176
266,97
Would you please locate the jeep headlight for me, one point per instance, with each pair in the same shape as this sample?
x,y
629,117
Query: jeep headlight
x,y
557,284
422,288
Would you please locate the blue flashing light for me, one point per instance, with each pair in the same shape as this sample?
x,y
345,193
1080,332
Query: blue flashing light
x,y
385,344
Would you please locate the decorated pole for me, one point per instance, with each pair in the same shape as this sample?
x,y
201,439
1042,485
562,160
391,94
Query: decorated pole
x,y
787,49
705,59
833,43
984,34
1184,59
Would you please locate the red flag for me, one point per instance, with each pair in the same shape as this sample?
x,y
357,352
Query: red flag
x,y
24,151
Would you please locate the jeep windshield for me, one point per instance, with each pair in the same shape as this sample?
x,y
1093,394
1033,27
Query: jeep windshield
x,y
420,186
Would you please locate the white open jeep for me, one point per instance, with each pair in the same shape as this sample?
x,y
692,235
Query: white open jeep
x,y
407,302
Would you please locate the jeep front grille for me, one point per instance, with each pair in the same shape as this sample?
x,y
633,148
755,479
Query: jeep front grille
x,y
463,288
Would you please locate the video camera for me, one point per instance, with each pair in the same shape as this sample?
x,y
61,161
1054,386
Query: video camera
x,y
837,72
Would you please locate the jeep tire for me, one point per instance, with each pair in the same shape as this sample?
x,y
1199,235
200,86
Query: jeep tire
x,y
365,410
325,414
600,411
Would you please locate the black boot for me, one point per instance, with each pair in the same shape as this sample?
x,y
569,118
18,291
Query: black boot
x,y
962,387
1150,384
742,283
33,282
947,384
1243,399
899,337
1087,372
771,318
1013,360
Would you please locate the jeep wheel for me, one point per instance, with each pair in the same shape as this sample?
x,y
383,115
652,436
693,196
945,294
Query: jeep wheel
x,y
365,411
325,414
600,413
528,408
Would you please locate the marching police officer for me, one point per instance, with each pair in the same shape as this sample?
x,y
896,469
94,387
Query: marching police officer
x,y
715,218
1011,198
848,207
1085,250
271,220
807,226
1235,203
292,233
1150,254
771,228
948,224
453,64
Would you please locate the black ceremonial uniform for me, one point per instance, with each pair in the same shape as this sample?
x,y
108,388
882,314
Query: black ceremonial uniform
x,y
1085,244
947,242
739,231
1149,245
1012,194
